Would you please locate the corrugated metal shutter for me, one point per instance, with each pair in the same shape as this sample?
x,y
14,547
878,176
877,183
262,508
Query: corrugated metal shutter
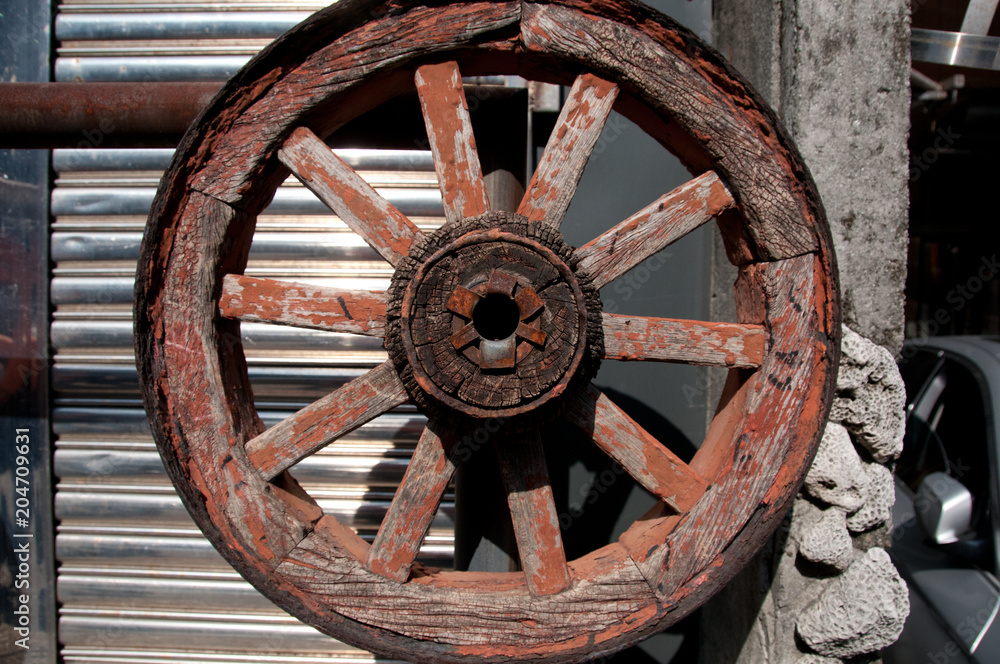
x,y
137,582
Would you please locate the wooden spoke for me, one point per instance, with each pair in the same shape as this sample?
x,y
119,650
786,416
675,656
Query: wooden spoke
x,y
653,228
386,229
533,511
449,130
342,411
636,338
577,129
652,465
413,507
303,305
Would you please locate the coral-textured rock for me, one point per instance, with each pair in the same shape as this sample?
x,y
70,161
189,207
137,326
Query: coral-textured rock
x,y
870,397
827,541
862,611
877,510
837,476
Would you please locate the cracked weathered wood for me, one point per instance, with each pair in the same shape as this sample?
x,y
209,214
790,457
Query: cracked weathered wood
x,y
576,131
760,474
302,305
652,229
269,105
439,344
413,507
533,511
197,398
342,411
638,338
387,230
449,131
485,608
776,194
643,457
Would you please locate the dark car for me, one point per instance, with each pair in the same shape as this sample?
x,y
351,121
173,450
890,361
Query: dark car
x,y
946,518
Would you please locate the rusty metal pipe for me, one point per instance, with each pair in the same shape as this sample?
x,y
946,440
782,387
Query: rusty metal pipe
x,y
91,115
156,115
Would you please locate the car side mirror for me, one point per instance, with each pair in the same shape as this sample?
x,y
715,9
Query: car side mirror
x,y
944,507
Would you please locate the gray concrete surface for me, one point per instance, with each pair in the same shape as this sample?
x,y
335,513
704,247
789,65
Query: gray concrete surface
x,y
840,82
836,71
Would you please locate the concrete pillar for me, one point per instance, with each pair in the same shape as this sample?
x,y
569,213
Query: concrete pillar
x,y
837,73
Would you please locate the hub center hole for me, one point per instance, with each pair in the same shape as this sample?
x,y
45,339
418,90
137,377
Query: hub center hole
x,y
496,317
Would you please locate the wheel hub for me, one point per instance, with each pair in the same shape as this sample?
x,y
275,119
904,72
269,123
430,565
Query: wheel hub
x,y
497,323
492,319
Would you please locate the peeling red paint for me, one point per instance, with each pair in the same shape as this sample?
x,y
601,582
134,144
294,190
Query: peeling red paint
x,y
449,130
303,305
577,129
634,338
334,182
653,228
340,412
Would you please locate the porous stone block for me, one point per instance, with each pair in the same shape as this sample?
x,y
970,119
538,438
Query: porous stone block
x,y
827,541
870,397
877,509
861,611
837,476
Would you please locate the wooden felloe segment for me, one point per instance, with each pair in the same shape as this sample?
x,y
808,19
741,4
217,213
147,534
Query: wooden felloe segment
x,y
715,451
733,128
643,457
376,220
412,510
637,338
485,608
259,118
210,411
577,129
787,385
533,510
449,130
342,411
653,228
303,305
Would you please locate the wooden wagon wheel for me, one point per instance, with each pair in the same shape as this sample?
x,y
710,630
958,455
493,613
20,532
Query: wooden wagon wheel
x,y
494,318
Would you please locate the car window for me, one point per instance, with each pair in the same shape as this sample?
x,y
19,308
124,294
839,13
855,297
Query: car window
x,y
916,367
946,431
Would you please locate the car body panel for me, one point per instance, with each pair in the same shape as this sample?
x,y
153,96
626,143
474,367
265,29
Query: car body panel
x,y
954,591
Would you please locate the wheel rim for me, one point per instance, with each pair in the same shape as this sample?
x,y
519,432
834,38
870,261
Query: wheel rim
x,y
714,512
